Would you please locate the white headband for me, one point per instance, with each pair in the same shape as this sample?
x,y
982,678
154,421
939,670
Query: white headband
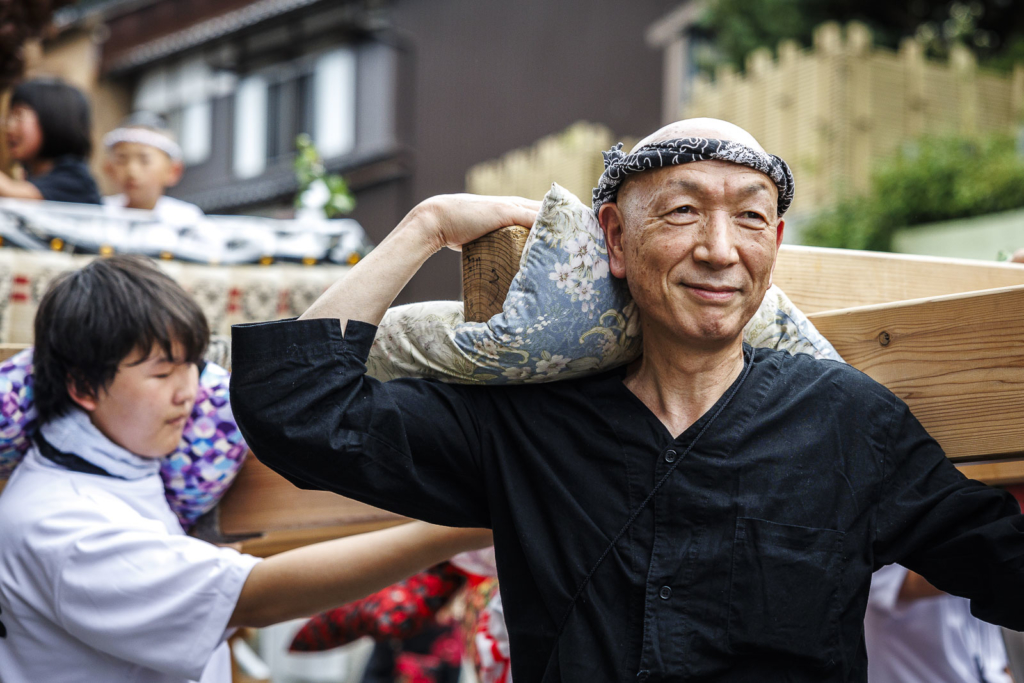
x,y
143,136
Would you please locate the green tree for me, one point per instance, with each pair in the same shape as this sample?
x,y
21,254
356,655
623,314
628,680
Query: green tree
x,y
993,28
933,179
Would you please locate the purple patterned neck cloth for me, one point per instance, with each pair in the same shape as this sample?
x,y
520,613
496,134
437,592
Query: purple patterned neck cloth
x,y
618,165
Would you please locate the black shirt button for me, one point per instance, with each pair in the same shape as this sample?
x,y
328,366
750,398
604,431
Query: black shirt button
x,y
670,456
665,593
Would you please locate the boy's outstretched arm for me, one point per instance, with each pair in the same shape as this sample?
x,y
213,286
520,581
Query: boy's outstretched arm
x,y
304,581
366,291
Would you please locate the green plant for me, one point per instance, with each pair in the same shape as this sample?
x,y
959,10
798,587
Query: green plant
x,y
334,196
933,179
994,29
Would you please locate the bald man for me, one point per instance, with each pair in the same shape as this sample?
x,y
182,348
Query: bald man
x,y
710,512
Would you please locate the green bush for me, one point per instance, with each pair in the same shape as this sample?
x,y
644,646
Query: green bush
x,y
933,179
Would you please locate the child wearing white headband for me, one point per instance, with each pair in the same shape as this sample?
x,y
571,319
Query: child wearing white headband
x,y
143,160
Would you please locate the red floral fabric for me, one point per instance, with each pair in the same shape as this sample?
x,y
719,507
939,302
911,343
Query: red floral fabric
x,y
486,642
398,611
445,654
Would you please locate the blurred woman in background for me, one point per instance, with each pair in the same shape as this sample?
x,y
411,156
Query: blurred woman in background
x,y
47,129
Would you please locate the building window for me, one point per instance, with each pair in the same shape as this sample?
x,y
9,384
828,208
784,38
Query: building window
x,y
182,93
250,127
335,103
310,95
289,113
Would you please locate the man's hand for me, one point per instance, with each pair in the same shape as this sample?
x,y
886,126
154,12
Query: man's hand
x,y
461,218
446,221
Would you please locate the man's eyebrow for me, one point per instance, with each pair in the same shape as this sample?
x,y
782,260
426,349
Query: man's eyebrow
x,y
685,185
754,188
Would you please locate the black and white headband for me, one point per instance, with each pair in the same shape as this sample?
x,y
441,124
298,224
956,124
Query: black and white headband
x,y
618,165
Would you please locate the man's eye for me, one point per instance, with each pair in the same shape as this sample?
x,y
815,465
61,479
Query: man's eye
x,y
164,375
684,209
753,215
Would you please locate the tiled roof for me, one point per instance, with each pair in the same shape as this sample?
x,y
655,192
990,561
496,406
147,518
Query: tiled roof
x,y
71,15
206,31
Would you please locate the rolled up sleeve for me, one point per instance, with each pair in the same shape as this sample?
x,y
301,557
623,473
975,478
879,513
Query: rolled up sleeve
x,y
307,409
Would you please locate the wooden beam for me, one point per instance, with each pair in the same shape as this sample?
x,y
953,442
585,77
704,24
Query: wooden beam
x,y
1003,473
262,501
489,264
279,541
958,362
8,350
814,278
819,279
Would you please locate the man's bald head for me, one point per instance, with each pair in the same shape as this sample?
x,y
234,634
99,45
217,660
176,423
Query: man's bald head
x,y
635,191
714,129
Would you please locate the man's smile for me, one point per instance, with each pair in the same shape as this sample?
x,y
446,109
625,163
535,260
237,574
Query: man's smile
x,y
710,292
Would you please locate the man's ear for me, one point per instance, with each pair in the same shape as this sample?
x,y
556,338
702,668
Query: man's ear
x,y
778,245
108,168
86,401
612,223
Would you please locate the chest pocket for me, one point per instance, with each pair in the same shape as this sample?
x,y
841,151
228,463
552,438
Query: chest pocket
x,y
783,597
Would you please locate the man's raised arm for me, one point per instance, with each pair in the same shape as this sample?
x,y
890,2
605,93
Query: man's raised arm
x,y
305,406
365,293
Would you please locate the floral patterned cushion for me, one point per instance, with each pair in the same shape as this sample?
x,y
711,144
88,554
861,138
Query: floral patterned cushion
x,y
210,454
195,476
17,411
564,316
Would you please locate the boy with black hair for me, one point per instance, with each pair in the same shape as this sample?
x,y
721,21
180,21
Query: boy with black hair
x,y
97,580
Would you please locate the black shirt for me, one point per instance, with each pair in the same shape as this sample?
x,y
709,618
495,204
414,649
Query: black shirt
x,y
750,560
68,181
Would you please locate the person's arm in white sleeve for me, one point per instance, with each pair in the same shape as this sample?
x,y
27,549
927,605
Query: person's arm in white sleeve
x,y
894,588
886,584
165,602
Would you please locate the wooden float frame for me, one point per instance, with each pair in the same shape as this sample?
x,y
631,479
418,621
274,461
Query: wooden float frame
x,y
941,333
954,349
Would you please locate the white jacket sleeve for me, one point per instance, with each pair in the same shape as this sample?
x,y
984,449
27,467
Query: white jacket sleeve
x,y
886,584
158,600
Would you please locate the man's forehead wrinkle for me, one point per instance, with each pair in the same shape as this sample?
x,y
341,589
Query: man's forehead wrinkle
x,y
687,178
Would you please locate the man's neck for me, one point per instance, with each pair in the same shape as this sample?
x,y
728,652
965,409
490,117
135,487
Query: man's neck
x,y
679,382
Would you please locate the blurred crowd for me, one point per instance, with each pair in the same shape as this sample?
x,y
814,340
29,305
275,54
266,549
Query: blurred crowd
x,y
47,131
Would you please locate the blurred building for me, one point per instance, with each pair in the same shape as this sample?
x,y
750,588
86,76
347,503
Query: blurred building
x,y
401,96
